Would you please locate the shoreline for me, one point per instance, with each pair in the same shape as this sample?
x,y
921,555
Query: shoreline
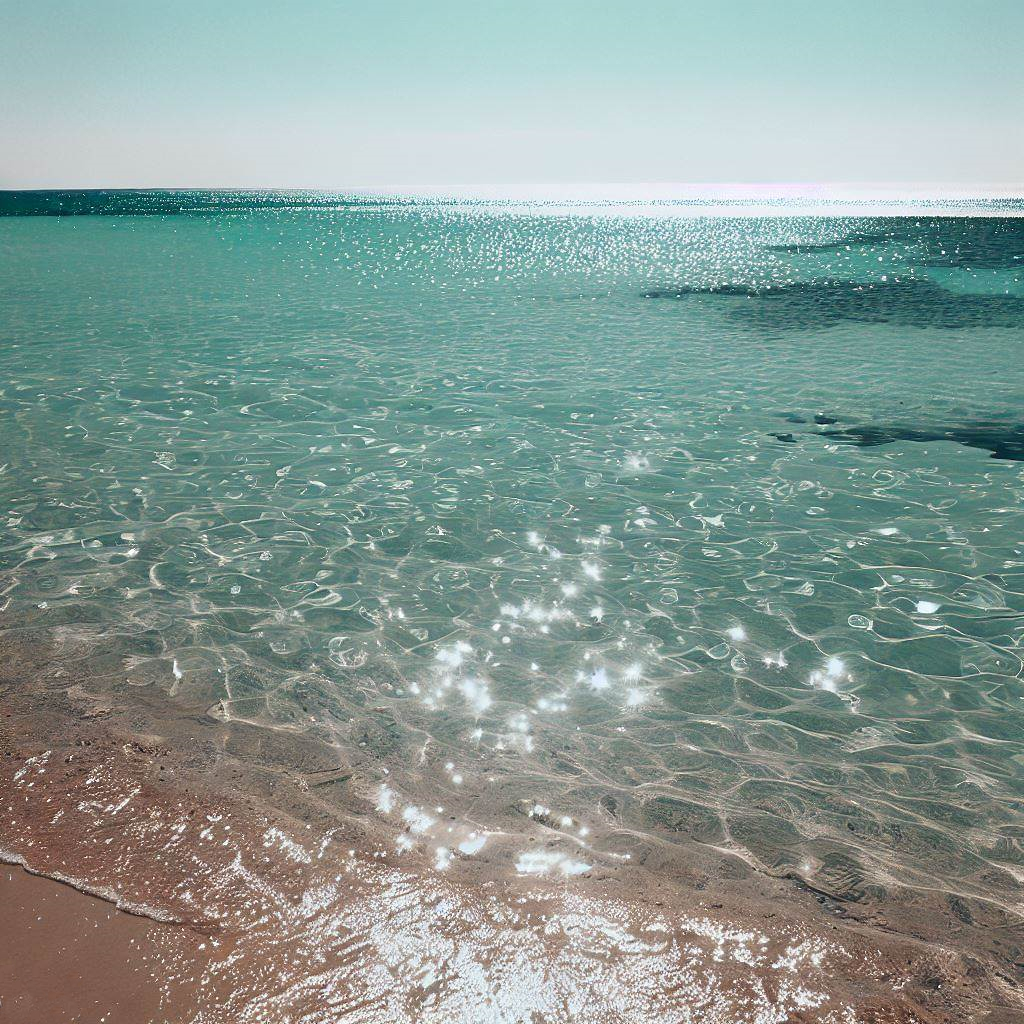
x,y
120,813
67,956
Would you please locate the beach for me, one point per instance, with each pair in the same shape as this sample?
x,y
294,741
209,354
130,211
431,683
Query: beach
x,y
70,957
192,886
234,910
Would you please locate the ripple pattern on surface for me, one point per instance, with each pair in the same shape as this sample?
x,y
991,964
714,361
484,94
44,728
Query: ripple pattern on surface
x,y
443,488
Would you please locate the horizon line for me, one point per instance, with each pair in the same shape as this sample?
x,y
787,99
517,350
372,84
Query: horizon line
x,y
848,191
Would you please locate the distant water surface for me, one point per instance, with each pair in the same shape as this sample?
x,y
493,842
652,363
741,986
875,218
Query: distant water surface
x,y
708,529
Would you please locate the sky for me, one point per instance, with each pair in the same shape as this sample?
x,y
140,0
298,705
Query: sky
x,y
444,93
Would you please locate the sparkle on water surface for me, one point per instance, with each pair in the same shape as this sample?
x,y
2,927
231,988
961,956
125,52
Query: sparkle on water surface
x,y
558,513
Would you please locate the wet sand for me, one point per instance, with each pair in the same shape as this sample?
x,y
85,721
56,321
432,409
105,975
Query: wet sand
x,y
69,957
256,868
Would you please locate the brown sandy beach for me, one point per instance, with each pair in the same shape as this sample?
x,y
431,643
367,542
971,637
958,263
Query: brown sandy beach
x,y
66,956
264,889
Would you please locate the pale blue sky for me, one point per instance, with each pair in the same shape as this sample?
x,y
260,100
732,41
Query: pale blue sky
x,y
404,94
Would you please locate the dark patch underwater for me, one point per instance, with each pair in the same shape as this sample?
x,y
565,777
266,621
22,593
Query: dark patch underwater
x,y
1004,441
906,303
978,243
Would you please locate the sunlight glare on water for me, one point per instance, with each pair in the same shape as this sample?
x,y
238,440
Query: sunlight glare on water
x,y
623,525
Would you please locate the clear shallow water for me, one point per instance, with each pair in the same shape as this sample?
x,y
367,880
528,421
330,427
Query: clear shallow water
x,y
531,512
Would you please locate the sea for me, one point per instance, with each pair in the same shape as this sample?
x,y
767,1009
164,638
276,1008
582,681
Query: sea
x,y
661,522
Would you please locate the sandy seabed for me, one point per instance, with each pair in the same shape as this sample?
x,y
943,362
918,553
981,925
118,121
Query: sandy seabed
x,y
257,888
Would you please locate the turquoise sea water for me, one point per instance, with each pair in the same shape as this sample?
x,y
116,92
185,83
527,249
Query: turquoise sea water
x,y
690,526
